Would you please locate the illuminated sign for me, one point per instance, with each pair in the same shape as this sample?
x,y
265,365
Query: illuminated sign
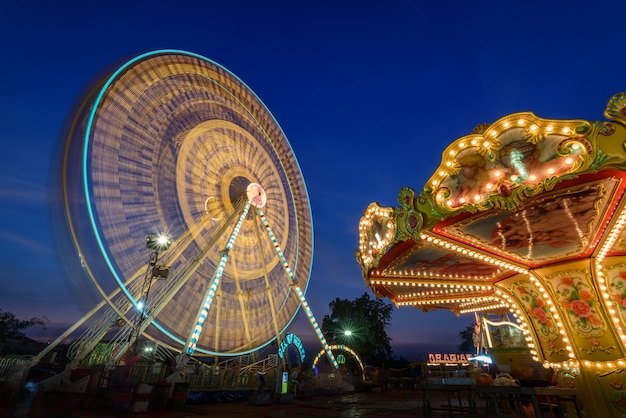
x,y
285,383
449,358
294,340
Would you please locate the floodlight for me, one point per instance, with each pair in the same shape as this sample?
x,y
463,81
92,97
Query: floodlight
x,y
158,242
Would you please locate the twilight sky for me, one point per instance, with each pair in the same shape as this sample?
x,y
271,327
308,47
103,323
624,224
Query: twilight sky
x,y
368,93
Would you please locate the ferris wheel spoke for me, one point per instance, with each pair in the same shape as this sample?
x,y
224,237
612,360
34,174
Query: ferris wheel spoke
x,y
125,337
268,287
242,304
299,292
165,293
192,341
121,305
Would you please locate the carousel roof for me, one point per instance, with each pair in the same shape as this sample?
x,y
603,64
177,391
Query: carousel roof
x,y
520,194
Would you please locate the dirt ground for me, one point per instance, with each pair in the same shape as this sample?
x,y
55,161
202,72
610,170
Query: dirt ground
x,y
392,403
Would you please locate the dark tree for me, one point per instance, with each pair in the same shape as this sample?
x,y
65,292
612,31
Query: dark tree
x,y
367,320
10,325
467,342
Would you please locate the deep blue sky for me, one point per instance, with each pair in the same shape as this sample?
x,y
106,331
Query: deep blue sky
x,y
369,93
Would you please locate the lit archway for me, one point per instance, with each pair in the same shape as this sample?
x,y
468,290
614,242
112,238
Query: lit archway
x,y
292,339
340,347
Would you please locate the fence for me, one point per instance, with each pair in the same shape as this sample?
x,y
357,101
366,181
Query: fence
x,y
14,370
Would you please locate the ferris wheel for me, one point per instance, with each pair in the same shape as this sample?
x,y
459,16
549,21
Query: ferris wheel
x,y
174,144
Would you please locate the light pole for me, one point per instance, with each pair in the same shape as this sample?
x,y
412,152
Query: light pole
x,y
156,243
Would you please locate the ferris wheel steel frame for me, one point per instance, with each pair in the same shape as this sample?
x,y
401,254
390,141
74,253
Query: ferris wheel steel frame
x,y
124,285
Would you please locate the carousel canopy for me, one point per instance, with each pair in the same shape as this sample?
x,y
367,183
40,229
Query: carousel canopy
x,y
514,197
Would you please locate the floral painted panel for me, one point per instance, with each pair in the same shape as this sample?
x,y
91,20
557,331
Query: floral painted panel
x,y
543,322
537,308
579,301
616,279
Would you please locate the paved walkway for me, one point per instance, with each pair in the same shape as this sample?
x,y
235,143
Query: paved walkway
x,y
391,403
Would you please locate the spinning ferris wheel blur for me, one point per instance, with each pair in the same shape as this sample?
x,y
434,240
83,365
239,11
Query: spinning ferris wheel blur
x,y
173,143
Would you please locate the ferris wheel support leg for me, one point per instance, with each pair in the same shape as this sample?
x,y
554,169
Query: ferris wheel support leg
x,y
299,292
192,341
268,286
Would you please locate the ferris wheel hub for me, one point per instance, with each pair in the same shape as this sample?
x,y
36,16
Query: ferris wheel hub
x,y
256,195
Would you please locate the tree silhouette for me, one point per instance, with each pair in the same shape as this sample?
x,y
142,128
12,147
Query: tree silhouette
x,y
467,343
10,325
367,320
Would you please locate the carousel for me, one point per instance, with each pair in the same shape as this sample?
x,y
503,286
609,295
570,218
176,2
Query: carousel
x,y
523,217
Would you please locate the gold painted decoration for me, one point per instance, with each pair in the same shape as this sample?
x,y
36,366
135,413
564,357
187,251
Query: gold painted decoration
x,y
514,158
410,220
612,384
377,229
616,108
